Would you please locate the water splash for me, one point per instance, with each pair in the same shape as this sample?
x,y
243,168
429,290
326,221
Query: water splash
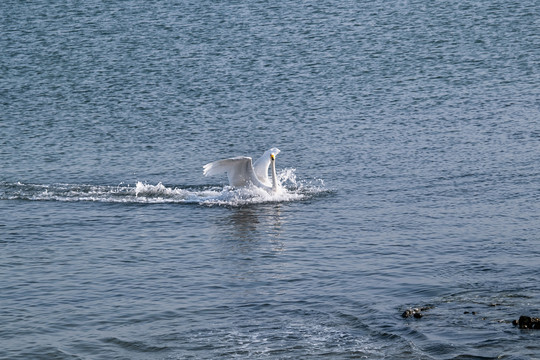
x,y
143,193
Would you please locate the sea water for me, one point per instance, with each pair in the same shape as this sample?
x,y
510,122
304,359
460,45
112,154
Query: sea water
x,y
410,167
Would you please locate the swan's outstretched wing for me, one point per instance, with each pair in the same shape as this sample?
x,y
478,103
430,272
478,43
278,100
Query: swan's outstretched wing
x,y
261,166
239,170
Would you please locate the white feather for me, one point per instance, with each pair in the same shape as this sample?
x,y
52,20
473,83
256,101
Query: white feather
x,y
262,164
242,172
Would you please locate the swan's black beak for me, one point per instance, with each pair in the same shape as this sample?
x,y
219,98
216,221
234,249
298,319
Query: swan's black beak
x,y
272,157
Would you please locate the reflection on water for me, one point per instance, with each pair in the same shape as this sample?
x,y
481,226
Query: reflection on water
x,y
252,228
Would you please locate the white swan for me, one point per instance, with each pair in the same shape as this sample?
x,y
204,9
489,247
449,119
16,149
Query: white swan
x,y
242,172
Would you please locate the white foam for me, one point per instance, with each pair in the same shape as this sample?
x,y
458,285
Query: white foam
x,y
291,190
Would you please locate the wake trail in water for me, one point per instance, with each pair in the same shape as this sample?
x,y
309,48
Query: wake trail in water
x,y
142,193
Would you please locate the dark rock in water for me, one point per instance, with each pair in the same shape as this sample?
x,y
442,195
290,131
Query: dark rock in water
x,y
407,313
527,322
415,312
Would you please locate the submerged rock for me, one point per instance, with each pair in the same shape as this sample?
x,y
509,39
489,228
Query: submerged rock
x,y
527,322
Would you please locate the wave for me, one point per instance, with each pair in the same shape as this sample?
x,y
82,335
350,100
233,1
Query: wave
x,y
143,193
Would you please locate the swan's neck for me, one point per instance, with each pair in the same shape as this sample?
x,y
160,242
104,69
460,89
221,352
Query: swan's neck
x,y
274,177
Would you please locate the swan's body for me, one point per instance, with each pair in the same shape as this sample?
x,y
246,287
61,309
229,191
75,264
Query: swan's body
x,y
241,171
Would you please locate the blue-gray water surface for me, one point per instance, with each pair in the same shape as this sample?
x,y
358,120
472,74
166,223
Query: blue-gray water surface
x,y
410,157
